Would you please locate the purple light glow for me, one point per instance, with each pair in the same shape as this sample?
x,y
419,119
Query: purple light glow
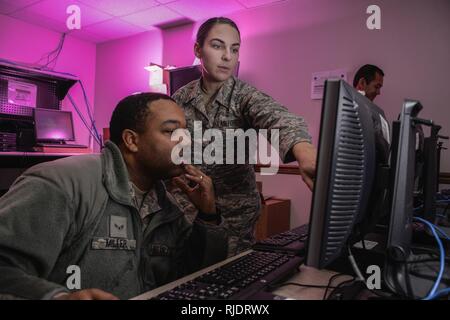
x,y
55,135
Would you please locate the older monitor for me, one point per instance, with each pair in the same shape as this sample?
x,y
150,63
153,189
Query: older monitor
x,y
53,125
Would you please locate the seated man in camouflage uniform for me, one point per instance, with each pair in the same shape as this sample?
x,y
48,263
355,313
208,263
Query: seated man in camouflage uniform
x,y
109,215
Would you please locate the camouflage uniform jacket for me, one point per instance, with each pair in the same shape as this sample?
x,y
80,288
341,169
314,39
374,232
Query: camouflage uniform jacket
x,y
239,105
79,211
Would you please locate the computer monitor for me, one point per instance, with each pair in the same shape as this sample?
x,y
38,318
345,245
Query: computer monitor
x,y
429,178
351,187
400,227
401,275
53,125
179,77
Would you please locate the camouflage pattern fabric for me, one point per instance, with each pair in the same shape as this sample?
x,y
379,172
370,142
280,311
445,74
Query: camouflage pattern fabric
x,y
237,105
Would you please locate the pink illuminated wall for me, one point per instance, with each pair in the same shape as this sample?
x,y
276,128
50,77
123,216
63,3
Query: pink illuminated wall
x,y
178,45
120,70
25,42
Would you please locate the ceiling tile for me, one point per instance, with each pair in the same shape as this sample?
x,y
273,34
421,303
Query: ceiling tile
x,y
257,3
165,1
84,35
56,10
9,6
113,29
202,9
40,20
20,3
149,18
120,7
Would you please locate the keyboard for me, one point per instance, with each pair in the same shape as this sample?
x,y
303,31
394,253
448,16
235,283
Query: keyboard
x,y
239,279
292,241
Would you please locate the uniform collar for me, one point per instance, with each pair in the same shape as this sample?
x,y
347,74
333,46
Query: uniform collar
x,y
223,97
116,178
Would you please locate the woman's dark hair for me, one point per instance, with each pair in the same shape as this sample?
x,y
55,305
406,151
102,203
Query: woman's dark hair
x,y
131,113
204,29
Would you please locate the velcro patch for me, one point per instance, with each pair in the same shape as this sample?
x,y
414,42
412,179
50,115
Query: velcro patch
x,y
159,250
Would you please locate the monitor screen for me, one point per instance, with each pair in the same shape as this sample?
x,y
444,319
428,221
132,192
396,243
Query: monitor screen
x,y
352,173
53,125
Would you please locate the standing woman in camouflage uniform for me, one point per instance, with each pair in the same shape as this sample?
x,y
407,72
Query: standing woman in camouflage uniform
x,y
219,100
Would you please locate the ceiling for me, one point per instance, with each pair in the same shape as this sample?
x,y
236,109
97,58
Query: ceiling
x,y
104,20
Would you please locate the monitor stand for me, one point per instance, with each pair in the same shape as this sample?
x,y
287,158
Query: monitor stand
x,y
51,142
422,276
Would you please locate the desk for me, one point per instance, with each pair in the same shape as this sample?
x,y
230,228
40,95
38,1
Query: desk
x,y
307,275
13,164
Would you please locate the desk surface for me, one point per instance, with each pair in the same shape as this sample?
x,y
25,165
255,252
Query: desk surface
x,y
307,275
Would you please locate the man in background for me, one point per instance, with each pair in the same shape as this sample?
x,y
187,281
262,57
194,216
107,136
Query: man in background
x,y
369,78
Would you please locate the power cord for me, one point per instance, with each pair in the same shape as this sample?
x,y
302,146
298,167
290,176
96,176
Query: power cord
x,y
330,281
432,294
56,51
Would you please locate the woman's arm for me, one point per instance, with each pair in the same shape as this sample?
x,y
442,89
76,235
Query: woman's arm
x,y
263,112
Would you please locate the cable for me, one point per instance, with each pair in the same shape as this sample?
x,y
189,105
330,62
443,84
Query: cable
x,y
425,250
329,283
363,242
56,56
83,120
88,107
341,285
56,51
442,261
442,232
92,129
441,292
427,260
354,265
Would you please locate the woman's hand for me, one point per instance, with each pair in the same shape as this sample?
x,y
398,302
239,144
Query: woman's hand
x,y
306,155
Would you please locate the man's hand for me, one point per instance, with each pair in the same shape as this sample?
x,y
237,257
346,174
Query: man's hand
x,y
306,155
87,294
202,194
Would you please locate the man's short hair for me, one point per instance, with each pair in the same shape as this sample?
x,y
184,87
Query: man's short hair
x,y
367,72
131,113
